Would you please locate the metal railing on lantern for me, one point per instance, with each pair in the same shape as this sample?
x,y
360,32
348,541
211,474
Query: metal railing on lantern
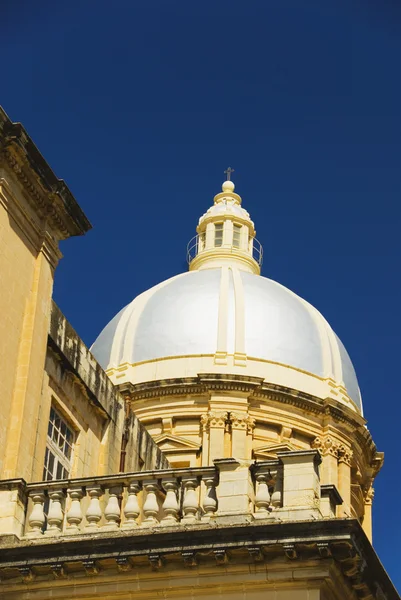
x,y
195,245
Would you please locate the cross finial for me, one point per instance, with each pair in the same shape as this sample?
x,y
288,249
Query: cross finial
x,y
228,173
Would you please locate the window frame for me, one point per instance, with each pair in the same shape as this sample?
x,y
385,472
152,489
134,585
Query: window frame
x,y
59,447
218,227
237,229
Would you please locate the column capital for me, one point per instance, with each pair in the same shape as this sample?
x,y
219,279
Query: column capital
x,y
326,445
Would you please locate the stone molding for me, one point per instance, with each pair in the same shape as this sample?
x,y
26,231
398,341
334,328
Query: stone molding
x,y
49,196
340,541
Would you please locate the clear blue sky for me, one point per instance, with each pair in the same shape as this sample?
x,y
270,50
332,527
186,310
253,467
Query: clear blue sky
x,y
140,106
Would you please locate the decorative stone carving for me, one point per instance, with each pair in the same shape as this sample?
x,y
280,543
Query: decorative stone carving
x,y
151,506
369,495
37,517
190,503
326,445
132,509
56,515
94,512
156,561
220,556
251,422
91,567
290,551
217,419
189,559
113,510
239,420
344,455
262,498
210,501
123,564
74,515
170,504
256,553
58,571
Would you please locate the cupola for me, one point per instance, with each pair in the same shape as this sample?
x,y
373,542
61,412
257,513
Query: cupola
x,y
225,235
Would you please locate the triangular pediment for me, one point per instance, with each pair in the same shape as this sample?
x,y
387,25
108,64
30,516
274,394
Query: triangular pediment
x,y
270,451
171,443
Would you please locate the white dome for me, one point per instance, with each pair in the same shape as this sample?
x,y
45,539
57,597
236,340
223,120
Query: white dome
x,y
189,315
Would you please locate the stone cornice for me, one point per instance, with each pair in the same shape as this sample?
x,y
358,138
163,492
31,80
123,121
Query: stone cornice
x,y
49,196
340,540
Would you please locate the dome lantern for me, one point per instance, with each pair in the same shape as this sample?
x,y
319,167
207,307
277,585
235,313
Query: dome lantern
x,y
225,235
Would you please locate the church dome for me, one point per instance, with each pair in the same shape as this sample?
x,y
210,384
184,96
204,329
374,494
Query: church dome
x,y
222,316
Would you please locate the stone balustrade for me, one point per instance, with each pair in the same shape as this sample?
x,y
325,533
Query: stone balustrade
x,y
268,477
125,501
287,488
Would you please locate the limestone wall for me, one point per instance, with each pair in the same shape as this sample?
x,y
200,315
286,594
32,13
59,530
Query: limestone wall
x,y
79,388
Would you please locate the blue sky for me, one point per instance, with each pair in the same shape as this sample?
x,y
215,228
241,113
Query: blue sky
x,y
140,106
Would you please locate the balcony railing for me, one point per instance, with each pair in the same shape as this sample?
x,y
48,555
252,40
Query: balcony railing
x,y
278,489
195,245
124,501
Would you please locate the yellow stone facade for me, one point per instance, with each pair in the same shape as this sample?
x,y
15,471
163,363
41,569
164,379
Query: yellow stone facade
x,y
215,475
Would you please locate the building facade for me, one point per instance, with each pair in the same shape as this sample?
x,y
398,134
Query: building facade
x,y
210,444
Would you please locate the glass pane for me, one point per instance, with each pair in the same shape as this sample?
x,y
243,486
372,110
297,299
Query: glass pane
x,y
59,473
50,429
57,422
63,428
55,435
67,450
50,465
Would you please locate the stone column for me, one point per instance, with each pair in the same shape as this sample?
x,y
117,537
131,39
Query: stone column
x,y
328,448
367,517
344,480
217,423
239,429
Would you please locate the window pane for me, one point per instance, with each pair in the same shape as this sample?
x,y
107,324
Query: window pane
x,y
59,472
50,465
236,236
218,234
67,451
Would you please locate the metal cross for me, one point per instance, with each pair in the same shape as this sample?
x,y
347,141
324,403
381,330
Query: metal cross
x,y
228,173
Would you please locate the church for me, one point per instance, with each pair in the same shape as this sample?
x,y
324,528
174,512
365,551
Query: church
x,y
210,444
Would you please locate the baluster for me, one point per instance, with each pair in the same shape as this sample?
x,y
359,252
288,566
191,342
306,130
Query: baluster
x,y
262,498
276,495
209,501
170,504
37,517
151,506
131,509
190,505
56,515
94,512
74,515
113,510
